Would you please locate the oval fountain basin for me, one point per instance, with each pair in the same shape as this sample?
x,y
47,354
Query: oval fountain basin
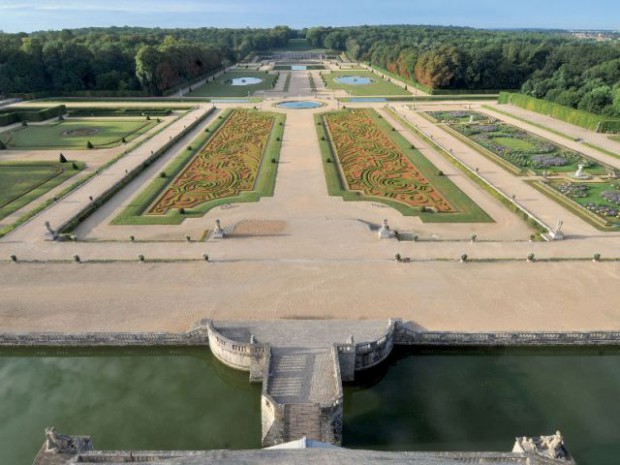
x,y
300,105
354,80
245,81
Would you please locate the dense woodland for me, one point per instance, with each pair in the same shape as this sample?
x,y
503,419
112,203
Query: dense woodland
x,y
544,64
123,59
583,74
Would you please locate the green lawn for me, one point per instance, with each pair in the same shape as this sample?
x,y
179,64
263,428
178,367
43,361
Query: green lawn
x,y
379,86
513,143
76,133
134,213
467,210
222,87
23,182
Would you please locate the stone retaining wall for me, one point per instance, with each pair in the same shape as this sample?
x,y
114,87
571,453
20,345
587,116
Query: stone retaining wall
x,y
407,336
101,339
242,356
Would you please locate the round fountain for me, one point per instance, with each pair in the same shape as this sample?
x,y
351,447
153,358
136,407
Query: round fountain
x,y
245,81
299,104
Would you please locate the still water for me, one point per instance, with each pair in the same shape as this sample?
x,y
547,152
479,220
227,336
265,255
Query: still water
x,y
478,399
125,399
421,399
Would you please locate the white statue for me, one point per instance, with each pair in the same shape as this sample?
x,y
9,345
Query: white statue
x,y
384,231
61,444
218,232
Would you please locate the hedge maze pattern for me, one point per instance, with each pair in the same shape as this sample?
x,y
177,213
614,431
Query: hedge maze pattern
x,y
226,166
372,163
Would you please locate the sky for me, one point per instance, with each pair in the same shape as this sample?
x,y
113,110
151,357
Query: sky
x,y
34,15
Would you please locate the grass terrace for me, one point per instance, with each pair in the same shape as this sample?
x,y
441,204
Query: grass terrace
x,y
235,160
377,86
223,86
76,133
514,148
23,182
364,159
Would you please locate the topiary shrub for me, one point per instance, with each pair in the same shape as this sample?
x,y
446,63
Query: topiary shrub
x,y
162,174
464,258
2,145
123,140
439,173
531,257
329,160
89,145
62,158
182,211
397,257
189,147
596,257
75,166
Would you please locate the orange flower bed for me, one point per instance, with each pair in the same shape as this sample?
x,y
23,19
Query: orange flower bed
x,y
372,163
226,166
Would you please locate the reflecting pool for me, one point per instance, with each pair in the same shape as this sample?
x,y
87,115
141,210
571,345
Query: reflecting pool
x,y
353,80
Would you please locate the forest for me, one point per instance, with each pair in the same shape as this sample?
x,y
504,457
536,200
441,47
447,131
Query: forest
x,y
553,65
124,59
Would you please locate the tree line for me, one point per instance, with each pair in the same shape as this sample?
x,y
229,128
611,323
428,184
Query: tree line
x,y
124,59
553,65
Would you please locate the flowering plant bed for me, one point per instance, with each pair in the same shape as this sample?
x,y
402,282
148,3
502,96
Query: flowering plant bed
x,y
521,149
375,163
235,161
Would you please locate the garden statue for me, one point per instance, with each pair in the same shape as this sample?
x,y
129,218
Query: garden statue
x,y
218,232
557,233
579,174
549,446
61,444
384,231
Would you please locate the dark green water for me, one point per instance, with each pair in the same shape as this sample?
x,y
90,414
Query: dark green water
x,y
125,399
423,399
475,399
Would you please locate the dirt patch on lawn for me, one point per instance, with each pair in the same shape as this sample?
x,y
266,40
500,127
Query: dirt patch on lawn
x,y
81,132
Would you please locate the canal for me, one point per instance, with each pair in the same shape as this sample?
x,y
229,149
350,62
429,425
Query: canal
x,y
423,399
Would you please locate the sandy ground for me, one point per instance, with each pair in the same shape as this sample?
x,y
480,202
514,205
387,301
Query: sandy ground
x,y
434,296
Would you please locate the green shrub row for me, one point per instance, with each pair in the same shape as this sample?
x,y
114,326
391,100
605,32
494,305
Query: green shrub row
x,y
70,225
16,115
120,111
580,118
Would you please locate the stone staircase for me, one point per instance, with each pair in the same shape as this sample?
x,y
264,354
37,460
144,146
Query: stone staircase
x,y
302,420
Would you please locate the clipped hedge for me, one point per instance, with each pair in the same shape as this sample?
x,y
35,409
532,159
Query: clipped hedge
x,y
17,115
598,123
118,111
82,215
